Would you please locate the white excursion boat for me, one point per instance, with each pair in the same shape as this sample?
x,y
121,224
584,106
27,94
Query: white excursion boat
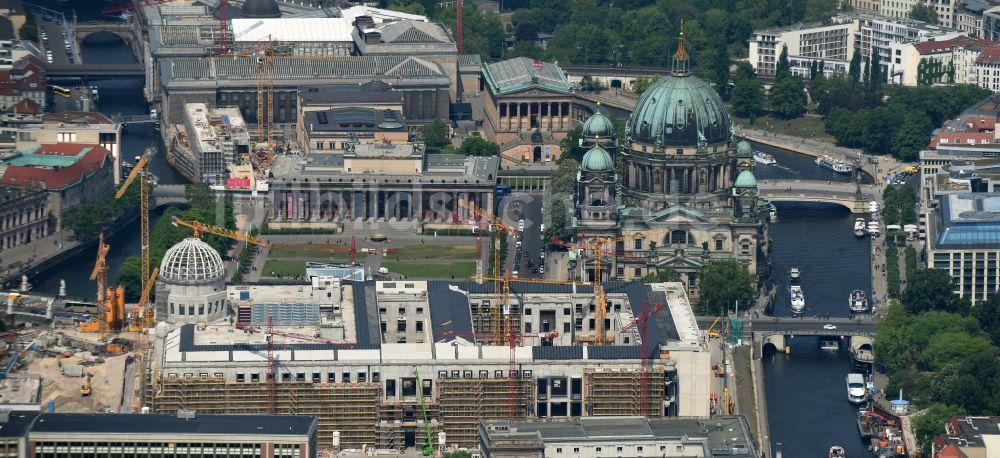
x,y
856,392
763,158
798,299
859,227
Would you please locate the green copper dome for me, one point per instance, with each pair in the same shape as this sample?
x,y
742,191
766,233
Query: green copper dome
x,y
598,125
682,109
597,160
746,180
743,149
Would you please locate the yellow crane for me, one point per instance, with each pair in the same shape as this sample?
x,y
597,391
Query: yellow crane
x,y
100,275
199,227
142,314
596,245
139,171
500,323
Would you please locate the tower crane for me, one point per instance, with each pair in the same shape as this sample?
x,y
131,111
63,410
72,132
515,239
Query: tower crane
x,y
139,171
642,322
428,448
595,244
199,227
501,308
100,275
142,314
352,250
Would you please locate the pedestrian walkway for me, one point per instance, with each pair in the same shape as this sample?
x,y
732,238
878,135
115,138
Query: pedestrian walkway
x,y
24,259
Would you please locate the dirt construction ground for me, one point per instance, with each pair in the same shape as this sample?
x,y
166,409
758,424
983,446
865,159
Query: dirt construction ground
x,y
106,384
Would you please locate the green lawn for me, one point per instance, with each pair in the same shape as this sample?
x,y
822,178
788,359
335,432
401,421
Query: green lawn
x,y
415,253
284,267
456,269
313,253
807,127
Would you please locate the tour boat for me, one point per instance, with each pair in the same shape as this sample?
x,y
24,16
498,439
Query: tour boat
x,y
836,165
856,392
798,299
836,452
829,345
858,302
794,273
859,227
763,158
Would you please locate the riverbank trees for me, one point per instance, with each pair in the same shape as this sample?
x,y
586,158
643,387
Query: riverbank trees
x,y
723,284
941,352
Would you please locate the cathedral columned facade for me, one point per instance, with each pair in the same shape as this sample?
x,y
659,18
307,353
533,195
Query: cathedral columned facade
x,y
677,191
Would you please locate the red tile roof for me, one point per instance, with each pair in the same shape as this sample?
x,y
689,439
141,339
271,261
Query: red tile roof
x,y
76,117
989,56
58,178
981,123
934,47
27,106
962,138
25,75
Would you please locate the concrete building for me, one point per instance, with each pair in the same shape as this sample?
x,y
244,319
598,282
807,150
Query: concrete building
x,y
876,35
407,340
74,127
968,436
375,95
526,109
969,15
684,193
991,24
379,181
618,436
868,6
334,129
805,43
209,143
191,286
72,174
957,60
963,241
24,215
900,9
50,435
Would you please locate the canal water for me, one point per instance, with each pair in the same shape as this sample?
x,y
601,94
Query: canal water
x,y
123,96
817,238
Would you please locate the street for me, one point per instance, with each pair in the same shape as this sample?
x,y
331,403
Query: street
x,y
528,207
55,40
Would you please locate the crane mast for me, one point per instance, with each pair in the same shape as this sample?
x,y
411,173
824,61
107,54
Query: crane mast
x,y
199,228
140,172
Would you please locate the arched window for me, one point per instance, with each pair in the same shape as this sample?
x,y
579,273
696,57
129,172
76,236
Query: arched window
x,y
679,237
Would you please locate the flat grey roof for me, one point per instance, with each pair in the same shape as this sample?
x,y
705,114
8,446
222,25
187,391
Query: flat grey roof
x,y
96,423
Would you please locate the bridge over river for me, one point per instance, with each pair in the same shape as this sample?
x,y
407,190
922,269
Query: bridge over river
x,y
851,195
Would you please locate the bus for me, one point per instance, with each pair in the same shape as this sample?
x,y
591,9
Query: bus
x,y
61,91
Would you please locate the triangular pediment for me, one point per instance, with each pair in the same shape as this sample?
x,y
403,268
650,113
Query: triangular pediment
x,y
677,261
677,215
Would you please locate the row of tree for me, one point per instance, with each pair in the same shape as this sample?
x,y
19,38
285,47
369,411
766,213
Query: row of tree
x,y
87,220
899,205
203,207
941,351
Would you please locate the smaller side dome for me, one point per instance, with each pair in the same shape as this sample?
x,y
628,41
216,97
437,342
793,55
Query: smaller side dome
x,y
743,149
746,180
598,125
597,160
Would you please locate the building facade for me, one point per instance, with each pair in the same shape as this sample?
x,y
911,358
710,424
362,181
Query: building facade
x,y
526,109
74,127
684,194
827,43
209,143
24,215
71,174
50,435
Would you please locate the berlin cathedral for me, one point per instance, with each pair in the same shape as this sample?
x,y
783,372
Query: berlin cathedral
x,y
678,191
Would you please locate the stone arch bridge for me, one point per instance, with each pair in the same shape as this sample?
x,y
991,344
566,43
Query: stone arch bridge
x,y
776,331
168,194
850,195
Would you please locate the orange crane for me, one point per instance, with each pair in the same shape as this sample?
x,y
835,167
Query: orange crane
x,y
199,227
139,171
596,245
642,322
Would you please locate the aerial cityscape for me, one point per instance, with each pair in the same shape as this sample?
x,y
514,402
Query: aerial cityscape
x,y
500,228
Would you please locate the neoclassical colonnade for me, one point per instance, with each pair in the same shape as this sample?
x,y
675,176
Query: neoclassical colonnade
x,y
516,115
332,205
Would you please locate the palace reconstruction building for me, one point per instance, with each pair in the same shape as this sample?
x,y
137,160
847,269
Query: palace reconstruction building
x,y
677,191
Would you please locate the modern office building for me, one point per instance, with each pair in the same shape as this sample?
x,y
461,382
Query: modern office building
x,y
208,143
806,43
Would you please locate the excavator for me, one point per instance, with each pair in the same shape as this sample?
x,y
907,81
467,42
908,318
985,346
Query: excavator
x,y
85,388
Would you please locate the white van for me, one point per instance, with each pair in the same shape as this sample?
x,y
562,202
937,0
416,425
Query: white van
x,y
383,271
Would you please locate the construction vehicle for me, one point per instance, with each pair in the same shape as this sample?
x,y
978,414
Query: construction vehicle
x,y
428,448
712,332
85,389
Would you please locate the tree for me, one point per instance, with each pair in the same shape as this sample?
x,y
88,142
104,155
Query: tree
x,y
931,289
663,275
28,30
854,70
642,83
988,314
930,424
128,276
788,98
925,13
478,146
526,49
564,179
589,84
748,98
410,7
569,146
875,77
526,31
912,137
783,69
435,135
724,283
